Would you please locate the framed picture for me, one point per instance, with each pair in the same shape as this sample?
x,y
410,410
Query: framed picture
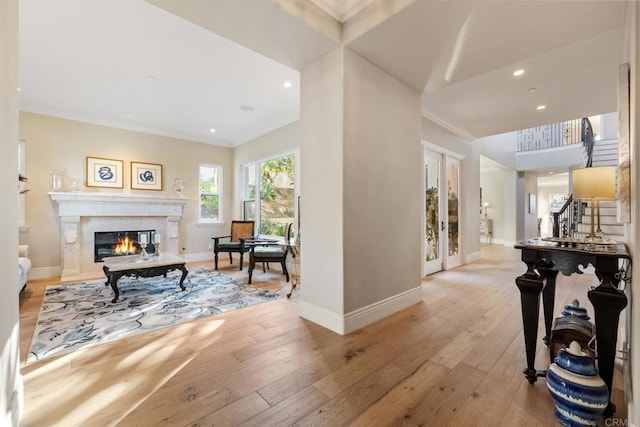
x,y
104,172
146,176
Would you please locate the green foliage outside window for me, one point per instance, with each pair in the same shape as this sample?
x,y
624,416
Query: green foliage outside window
x,y
276,199
209,192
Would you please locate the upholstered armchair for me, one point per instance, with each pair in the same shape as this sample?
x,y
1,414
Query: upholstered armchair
x,y
240,230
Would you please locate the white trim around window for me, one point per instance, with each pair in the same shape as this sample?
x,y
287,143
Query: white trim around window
x,y
210,194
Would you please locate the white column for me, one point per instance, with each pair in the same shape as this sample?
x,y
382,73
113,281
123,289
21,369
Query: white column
x,y
172,238
361,180
71,246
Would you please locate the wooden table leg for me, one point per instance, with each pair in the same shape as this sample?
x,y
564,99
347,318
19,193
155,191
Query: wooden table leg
x,y
184,276
548,296
530,285
608,302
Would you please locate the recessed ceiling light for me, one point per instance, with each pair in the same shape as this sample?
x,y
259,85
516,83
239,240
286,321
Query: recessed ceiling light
x,y
519,72
541,107
246,108
212,130
18,89
287,84
532,89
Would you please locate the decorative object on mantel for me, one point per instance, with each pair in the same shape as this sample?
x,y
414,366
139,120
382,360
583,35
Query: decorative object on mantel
x,y
146,176
579,394
103,173
79,315
56,180
178,186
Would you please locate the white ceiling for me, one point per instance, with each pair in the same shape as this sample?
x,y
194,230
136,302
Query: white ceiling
x,y
91,60
129,64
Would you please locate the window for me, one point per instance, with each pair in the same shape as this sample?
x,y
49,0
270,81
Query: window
x,y
210,188
269,194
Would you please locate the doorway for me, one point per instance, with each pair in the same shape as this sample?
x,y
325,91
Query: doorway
x,y
441,245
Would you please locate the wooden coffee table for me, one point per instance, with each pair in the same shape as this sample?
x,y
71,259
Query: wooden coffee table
x,y
137,266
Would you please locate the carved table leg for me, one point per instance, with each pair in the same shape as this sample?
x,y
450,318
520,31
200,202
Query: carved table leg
x,y
608,302
548,296
530,285
113,281
184,276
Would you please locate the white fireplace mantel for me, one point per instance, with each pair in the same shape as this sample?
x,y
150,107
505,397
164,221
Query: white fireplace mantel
x,y
110,204
83,213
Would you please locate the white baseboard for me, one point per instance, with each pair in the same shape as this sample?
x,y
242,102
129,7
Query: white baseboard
x,y
472,257
44,272
16,405
199,256
321,316
381,309
350,322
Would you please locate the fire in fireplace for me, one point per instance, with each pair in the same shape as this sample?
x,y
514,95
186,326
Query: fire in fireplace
x,y
119,243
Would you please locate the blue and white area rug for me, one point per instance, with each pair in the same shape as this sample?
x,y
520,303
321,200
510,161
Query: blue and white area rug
x,y
79,315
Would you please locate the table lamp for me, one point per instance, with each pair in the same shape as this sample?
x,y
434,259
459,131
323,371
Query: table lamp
x,y
594,184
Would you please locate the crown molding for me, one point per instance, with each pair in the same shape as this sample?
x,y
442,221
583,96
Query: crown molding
x,y
437,120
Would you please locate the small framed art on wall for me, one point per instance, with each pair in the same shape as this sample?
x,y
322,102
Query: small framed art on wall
x,y
146,176
104,172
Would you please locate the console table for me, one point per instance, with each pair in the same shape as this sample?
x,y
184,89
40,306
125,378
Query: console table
x,y
544,260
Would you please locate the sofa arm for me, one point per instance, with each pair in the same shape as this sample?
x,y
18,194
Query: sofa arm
x,y
23,251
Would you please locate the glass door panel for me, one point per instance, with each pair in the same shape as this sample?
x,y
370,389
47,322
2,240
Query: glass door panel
x,y
453,213
433,242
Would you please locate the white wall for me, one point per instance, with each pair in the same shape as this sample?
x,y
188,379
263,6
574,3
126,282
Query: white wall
x,y
544,194
359,126
500,148
493,192
54,143
383,162
322,183
10,379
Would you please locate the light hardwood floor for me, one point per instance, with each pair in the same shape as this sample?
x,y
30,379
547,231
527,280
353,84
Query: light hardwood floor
x,y
454,359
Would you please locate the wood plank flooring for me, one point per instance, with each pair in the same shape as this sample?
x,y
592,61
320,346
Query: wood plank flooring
x,y
455,359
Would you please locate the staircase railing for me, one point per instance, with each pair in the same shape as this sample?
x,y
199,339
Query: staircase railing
x,y
555,135
561,218
588,140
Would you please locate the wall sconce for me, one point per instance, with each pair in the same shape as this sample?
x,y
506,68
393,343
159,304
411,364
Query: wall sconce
x,y
594,184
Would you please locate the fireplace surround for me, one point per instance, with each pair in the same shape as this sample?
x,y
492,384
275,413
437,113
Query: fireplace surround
x,y
82,214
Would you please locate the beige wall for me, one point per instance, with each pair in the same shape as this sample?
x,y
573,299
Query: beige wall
x,y
10,379
54,143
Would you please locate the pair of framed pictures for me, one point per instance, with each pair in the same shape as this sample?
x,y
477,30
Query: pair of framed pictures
x,y
108,173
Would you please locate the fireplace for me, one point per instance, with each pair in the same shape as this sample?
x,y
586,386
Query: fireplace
x,y
120,243
82,214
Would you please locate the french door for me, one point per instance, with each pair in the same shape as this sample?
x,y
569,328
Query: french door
x,y
441,248
433,244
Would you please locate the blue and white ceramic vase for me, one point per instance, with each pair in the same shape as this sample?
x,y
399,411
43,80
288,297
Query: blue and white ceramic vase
x,y
579,394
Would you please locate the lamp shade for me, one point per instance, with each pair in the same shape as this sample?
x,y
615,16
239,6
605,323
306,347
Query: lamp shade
x,y
597,183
